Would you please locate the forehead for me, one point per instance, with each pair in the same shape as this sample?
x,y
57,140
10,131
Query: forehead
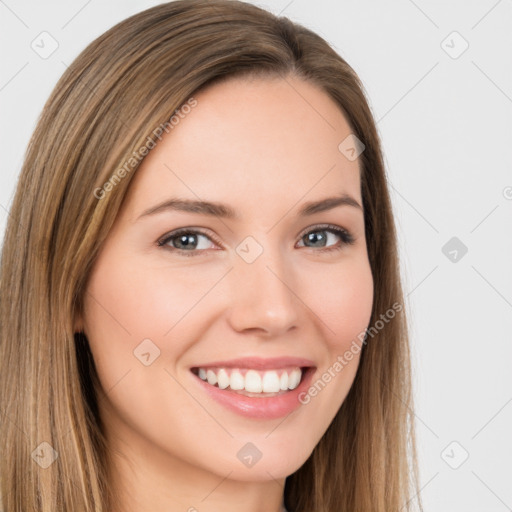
x,y
259,142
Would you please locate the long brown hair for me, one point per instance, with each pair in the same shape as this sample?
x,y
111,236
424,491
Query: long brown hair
x,y
106,105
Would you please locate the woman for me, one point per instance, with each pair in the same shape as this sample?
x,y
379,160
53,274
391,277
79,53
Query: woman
x,y
201,302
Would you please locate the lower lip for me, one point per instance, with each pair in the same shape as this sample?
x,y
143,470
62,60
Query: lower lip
x,y
259,407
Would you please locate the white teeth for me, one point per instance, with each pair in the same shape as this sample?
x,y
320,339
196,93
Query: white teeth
x,y
284,381
211,377
253,381
294,379
271,383
237,381
222,379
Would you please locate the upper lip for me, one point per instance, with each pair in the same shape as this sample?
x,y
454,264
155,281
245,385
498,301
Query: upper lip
x,y
259,363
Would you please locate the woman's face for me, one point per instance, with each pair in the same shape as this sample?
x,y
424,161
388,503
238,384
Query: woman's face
x,y
252,301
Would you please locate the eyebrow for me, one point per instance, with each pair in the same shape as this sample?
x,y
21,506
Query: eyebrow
x,y
224,211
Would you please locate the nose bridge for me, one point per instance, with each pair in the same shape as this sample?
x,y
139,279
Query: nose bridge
x,y
263,289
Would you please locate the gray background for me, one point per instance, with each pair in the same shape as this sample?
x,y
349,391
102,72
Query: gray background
x,y
444,115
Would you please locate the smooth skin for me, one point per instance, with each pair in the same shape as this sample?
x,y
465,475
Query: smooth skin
x,y
264,147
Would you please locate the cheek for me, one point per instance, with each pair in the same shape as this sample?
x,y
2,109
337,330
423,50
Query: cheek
x,y
127,303
344,299
138,323
344,302
124,308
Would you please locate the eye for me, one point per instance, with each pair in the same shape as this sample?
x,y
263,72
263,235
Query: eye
x,y
319,236
186,240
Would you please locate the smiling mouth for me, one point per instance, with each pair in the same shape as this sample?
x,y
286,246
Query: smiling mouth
x,y
253,383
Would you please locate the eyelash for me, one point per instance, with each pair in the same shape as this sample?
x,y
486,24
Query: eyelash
x,y
346,239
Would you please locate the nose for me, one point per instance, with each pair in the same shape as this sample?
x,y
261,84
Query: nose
x,y
263,296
